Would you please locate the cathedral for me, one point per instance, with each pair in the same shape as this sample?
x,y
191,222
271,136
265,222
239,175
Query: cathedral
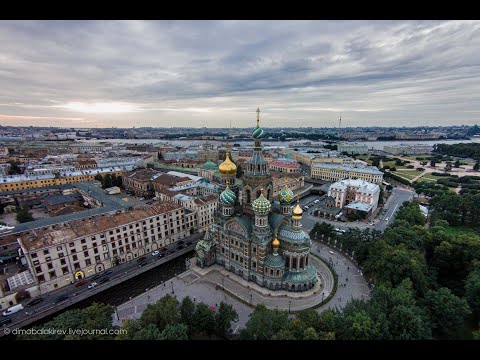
x,y
254,236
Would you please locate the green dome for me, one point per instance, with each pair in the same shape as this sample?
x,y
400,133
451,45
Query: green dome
x,y
210,165
261,206
285,195
227,197
258,133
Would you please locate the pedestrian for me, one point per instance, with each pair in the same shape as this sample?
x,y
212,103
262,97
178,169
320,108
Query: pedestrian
x,y
148,297
194,299
348,267
346,279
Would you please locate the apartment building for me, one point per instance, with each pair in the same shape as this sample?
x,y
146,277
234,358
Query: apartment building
x,y
64,253
336,172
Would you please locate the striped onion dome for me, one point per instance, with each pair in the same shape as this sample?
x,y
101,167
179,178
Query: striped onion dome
x,y
261,205
285,195
227,197
258,133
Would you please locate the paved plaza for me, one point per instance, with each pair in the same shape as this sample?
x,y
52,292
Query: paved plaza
x,y
214,285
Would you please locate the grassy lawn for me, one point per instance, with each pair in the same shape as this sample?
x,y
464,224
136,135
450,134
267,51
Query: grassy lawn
x,y
458,230
408,174
430,178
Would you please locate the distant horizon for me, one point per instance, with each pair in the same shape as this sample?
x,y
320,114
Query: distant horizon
x,y
212,73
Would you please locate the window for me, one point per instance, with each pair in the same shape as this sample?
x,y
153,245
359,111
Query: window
x,y
41,278
50,266
83,241
38,269
74,257
85,253
48,258
60,255
45,252
65,270
52,274
76,265
84,247
63,262
36,262
34,256
59,248
88,262
97,258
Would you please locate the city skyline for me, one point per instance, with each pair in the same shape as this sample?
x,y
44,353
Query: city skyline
x,y
208,73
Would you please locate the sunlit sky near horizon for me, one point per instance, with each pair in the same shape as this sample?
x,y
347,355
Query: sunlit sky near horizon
x,y
211,73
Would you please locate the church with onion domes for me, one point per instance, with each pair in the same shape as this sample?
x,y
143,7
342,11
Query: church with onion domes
x,y
254,235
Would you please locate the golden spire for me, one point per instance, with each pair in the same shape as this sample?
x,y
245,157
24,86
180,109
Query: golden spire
x,y
258,117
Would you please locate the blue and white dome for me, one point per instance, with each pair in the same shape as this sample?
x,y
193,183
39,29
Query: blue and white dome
x,y
228,197
261,205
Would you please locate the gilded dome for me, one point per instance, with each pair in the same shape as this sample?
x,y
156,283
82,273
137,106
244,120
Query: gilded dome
x,y
297,212
261,205
227,167
227,197
285,195
276,242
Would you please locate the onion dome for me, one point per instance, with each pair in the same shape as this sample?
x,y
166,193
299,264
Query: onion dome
x,y
285,195
297,212
258,133
261,205
275,244
210,165
227,167
228,197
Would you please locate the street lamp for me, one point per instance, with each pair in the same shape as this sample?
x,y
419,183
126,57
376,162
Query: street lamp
x,y
289,303
173,292
251,298
223,287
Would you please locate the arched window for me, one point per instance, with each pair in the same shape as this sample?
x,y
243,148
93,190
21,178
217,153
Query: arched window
x,y
258,193
294,263
301,262
249,197
268,194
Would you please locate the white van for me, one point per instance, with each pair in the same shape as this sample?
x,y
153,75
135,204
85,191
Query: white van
x,y
13,310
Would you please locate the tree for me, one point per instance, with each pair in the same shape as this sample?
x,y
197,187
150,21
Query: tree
x,y
164,312
310,334
447,312
360,326
98,177
325,229
91,319
223,319
433,162
476,167
187,313
472,290
24,215
204,320
175,332
389,187
408,323
456,163
14,168
264,323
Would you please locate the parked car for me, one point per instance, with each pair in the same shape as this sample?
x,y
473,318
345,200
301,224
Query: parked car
x,y
163,250
6,321
35,302
156,253
142,264
104,280
141,259
180,244
81,283
96,277
13,309
189,243
92,285
108,272
60,299
331,252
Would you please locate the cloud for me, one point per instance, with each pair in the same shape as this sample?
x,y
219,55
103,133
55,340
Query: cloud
x,y
162,73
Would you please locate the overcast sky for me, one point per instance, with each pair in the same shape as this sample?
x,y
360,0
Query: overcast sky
x,y
211,73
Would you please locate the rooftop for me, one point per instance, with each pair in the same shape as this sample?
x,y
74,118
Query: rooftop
x,y
359,168
71,230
